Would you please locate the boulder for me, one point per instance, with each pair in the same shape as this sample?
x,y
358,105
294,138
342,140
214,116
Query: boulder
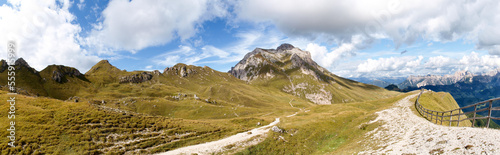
x,y
277,129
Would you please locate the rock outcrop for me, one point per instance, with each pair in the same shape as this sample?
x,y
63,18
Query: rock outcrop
x,y
59,72
156,72
136,78
180,69
3,65
21,63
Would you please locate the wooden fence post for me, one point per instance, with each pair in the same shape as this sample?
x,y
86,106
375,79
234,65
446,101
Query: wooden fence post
x,y
451,112
489,115
474,120
459,112
437,113
442,116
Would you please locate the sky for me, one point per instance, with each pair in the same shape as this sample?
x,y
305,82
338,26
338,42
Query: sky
x,y
365,38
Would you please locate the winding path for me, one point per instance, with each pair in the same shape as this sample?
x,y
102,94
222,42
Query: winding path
x,y
242,139
404,132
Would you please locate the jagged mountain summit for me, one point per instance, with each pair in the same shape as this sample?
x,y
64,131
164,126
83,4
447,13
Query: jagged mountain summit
x,y
459,76
292,70
268,62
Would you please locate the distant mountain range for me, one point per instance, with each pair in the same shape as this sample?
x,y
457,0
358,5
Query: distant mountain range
x,y
467,88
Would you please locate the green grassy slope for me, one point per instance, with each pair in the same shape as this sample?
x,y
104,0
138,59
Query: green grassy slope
x,y
325,129
70,84
440,101
49,126
147,115
228,97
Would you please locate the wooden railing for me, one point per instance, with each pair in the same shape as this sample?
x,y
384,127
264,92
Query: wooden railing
x,y
442,116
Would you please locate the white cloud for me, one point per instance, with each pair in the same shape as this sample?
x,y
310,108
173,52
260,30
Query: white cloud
x,y
388,64
81,4
324,58
476,63
44,33
209,51
190,55
438,62
134,25
402,21
437,65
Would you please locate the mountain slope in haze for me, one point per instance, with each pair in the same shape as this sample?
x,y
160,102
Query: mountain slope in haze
x,y
292,70
419,81
466,87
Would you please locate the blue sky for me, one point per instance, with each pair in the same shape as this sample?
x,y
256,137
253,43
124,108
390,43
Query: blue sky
x,y
351,39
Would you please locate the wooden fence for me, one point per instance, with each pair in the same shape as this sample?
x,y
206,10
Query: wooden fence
x,y
447,116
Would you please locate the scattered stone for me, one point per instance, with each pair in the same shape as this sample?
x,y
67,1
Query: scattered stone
x,y
196,97
276,129
258,124
468,147
282,138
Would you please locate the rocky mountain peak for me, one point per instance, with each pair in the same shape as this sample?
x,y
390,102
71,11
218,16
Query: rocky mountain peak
x,y
420,81
3,65
103,66
21,63
59,72
285,46
493,72
463,73
267,62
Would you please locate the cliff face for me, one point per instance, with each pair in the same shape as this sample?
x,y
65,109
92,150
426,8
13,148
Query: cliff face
x,y
292,70
267,63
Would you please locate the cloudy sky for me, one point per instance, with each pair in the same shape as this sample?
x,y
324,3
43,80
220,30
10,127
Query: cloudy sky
x,y
363,38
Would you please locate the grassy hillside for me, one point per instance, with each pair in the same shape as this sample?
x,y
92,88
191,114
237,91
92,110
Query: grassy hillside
x,y
49,126
219,95
325,129
341,90
183,106
441,101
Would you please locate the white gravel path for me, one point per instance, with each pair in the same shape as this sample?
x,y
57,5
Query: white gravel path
x,y
239,140
404,132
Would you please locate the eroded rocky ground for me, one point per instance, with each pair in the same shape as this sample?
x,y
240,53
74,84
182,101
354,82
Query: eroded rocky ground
x,y
403,132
